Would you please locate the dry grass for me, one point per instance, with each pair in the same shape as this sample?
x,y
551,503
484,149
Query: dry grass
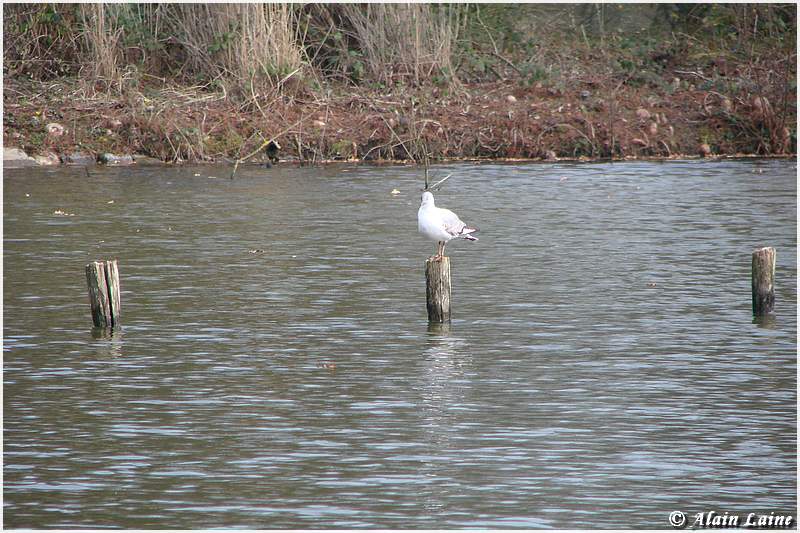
x,y
102,37
244,46
410,42
249,44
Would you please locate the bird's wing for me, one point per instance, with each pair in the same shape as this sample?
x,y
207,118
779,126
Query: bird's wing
x,y
450,222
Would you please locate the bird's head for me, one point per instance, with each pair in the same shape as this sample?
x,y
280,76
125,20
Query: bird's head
x,y
427,198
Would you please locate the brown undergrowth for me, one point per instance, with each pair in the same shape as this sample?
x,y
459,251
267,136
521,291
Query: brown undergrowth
x,y
487,120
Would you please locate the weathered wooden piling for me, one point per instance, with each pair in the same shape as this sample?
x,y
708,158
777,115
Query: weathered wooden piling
x,y
763,280
102,277
437,289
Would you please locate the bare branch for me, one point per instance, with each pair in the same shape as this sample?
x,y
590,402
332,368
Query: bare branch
x,y
437,184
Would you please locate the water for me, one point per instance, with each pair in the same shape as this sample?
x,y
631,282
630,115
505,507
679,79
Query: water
x,y
602,369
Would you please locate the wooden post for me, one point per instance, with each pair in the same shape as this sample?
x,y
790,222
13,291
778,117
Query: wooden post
x,y
763,280
437,290
102,277
112,278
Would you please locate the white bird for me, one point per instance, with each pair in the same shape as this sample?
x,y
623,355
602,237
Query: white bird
x,y
441,225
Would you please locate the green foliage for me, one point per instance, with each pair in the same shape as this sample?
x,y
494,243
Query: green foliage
x,y
355,65
732,26
40,41
533,73
490,25
221,41
136,31
225,144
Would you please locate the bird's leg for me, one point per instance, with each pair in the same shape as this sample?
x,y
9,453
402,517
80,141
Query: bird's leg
x,y
438,256
441,253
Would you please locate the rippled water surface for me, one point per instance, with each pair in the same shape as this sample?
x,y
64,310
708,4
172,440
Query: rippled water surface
x,y
602,368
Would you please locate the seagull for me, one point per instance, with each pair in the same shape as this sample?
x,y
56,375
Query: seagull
x,y
441,225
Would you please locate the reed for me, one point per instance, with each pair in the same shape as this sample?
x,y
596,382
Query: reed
x,y
406,42
102,35
248,44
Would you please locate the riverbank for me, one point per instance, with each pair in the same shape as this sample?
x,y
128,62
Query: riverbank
x,y
65,121
668,81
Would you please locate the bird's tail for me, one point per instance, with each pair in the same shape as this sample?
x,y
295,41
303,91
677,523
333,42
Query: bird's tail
x,y
466,233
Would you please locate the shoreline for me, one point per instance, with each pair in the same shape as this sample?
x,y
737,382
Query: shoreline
x,y
67,122
14,164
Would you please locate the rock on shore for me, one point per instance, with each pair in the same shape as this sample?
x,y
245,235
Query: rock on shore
x,y
78,158
47,159
17,158
112,159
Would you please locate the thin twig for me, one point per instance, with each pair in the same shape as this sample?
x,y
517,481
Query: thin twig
x,y
394,134
507,62
692,73
437,184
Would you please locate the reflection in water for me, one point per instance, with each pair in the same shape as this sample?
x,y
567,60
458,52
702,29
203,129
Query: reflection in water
x,y
444,358
767,321
109,343
443,406
439,328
